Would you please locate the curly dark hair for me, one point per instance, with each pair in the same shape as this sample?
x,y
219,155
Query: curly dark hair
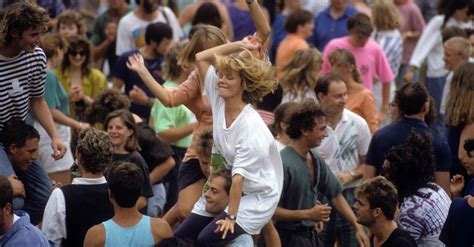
x,y
95,148
411,165
18,18
301,118
106,102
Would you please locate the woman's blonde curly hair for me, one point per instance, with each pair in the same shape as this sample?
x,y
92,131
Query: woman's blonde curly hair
x,y
258,76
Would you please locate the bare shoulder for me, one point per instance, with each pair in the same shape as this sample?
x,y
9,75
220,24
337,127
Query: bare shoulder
x,y
161,229
95,236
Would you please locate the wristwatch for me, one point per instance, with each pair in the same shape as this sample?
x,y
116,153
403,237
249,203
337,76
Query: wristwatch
x,y
249,1
231,216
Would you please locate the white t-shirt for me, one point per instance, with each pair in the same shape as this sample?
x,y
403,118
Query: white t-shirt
x,y
342,147
131,30
248,149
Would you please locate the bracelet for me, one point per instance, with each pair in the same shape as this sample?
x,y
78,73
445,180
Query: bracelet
x,y
353,174
148,102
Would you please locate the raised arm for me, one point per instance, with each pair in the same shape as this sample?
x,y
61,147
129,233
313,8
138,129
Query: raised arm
x,y
206,58
261,21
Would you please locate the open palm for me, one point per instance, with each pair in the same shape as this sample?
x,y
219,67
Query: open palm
x,y
135,62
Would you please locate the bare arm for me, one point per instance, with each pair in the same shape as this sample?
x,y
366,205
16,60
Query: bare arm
x,y
161,170
141,202
385,100
171,135
60,118
95,236
206,58
442,179
369,172
317,213
261,21
160,229
117,84
43,115
341,205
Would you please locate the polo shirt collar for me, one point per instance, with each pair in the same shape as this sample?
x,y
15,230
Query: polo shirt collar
x,y
89,181
412,121
348,12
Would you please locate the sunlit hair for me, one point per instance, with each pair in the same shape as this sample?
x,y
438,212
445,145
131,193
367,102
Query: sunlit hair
x,y
258,77
460,102
204,143
69,17
127,118
380,193
170,65
205,37
343,57
385,16
18,18
461,45
50,44
301,72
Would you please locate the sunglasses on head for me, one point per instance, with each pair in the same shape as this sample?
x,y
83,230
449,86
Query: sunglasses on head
x,y
75,53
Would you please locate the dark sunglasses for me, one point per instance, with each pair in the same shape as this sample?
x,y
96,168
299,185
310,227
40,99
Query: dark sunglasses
x,y
75,53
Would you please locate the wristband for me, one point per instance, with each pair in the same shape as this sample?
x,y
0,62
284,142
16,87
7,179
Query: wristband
x,y
148,102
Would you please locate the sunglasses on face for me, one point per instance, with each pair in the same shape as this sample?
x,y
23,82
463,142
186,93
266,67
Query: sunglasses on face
x,y
75,53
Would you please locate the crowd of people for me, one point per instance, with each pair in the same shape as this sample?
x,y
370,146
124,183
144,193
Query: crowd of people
x,y
237,123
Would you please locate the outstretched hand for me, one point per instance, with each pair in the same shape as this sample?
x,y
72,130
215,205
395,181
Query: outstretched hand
x,y
135,62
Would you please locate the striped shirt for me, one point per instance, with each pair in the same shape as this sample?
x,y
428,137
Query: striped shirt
x,y
392,44
21,78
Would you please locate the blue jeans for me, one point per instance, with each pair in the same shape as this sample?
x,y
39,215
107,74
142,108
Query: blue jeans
x,y
156,203
338,227
38,188
435,86
7,170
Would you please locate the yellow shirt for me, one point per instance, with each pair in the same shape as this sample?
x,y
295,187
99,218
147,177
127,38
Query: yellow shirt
x,y
92,84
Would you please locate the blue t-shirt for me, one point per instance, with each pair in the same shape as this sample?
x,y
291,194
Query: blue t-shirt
x,y
458,229
396,134
326,28
242,22
131,78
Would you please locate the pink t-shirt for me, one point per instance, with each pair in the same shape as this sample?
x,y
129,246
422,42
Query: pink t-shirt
x,y
189,93
370,59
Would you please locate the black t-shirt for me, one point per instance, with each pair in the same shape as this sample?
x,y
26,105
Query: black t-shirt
x,y
153,150
135,158
399,238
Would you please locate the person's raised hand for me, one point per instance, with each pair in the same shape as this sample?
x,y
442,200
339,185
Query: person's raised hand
x,y
135,62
